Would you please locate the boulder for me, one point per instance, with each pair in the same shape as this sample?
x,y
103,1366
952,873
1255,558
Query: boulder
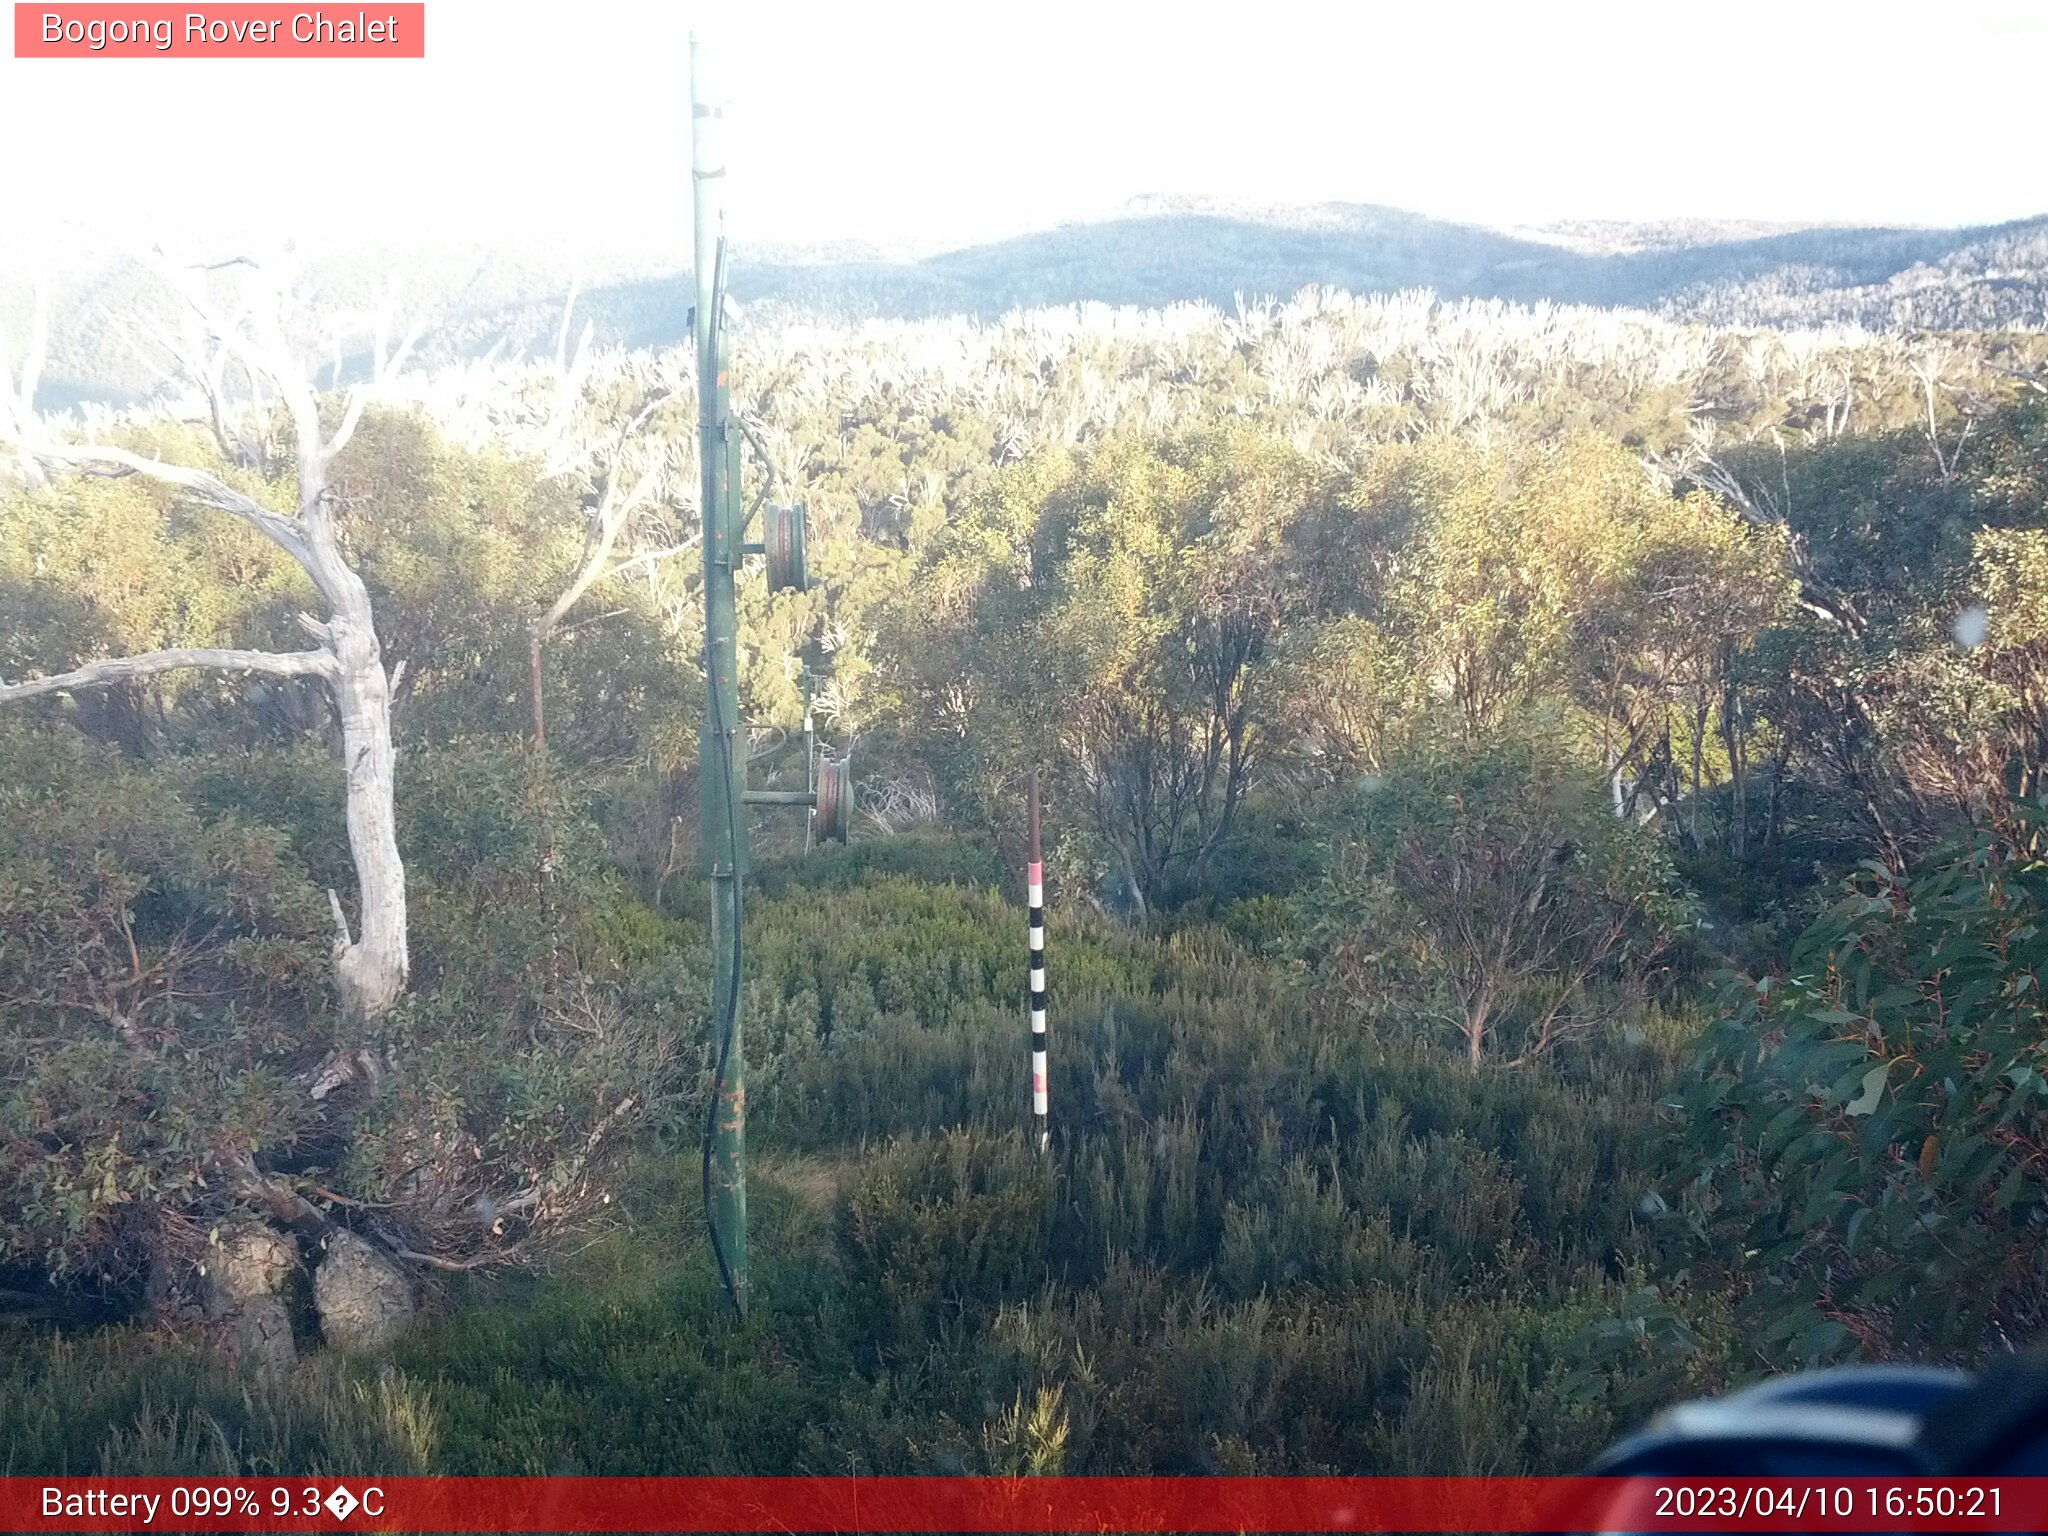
x,y
263,1335
364,1300
245,1275
248,1263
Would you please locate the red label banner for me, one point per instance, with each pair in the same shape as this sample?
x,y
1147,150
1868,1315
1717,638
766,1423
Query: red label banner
x,y
219,31
1052,1504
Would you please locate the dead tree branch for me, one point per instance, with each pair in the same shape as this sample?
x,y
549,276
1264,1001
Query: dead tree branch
x,y
124,669
613,508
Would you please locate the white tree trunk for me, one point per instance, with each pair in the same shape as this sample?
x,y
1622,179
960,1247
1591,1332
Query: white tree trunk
x,y
370,971
372,964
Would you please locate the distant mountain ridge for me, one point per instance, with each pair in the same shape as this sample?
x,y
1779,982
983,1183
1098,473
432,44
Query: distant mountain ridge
x,y
1162,249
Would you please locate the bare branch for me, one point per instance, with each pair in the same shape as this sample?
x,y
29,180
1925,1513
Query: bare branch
x,y
38,350
383,369
202,358
611,517
351,417
121,669
1697,465
211,489
612,511
460,1266
654,556
342,937
261,350
595,618
269,353
570,371
562,335
18,395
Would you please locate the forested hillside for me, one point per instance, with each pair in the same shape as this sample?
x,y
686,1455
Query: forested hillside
x,y
1543,819
1159,251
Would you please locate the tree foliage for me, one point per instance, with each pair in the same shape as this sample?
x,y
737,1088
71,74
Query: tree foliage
x,y
1490,883
1869,1124
1431,650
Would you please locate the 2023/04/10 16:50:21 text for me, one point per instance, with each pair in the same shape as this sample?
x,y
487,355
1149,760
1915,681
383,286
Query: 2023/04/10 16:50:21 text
x,y
1889,1501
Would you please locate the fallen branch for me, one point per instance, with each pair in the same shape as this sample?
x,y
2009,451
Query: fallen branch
x,y
461,1266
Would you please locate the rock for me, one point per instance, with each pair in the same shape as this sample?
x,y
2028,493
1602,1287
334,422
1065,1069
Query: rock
x,y
249,1263
263,1335
364,1300
245,1277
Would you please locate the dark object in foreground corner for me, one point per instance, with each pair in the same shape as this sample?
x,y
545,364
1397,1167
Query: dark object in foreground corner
x,y
1882,1421
1860,1421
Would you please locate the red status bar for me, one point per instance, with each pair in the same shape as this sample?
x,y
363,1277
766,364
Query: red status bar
x,y
1051,1504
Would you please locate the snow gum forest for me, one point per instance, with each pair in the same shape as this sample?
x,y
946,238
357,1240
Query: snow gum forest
x,y
1544,843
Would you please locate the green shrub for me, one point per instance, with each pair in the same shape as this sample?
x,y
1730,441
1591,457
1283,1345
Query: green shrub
x,y
158,975
1867,1123
1487,887
934,1225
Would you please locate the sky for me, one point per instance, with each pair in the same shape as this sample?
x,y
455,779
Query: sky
x,y
920,126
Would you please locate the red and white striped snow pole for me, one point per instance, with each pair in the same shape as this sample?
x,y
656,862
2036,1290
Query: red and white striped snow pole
x,y
1034,880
